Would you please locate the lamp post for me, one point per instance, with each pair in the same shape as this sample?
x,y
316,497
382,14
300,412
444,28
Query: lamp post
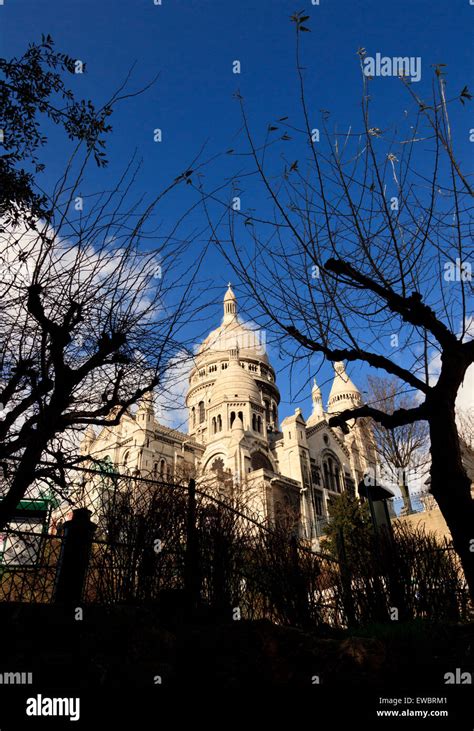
x,y
377,497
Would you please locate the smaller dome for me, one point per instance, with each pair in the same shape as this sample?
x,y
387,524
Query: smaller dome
x,y
237,425
344,394
237,430
235,383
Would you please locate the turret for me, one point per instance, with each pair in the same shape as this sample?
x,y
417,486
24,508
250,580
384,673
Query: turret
x,y
146,411
317,414
344,394
88,440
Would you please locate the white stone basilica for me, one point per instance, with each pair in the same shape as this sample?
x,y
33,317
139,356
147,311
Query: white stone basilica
x,y
235,442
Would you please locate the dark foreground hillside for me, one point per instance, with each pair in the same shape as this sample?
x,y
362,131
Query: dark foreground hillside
x,y
127,652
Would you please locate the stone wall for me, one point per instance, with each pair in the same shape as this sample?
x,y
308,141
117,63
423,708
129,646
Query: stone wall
x,y
431,520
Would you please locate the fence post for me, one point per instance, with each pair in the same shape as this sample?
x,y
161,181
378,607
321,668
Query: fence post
x,y
301,590
192,583
346,580
74,557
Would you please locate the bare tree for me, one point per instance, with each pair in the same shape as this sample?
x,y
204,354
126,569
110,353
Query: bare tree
x,y
363,257
404,448
93,298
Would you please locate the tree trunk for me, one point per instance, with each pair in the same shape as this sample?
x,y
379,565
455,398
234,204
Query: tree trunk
x,y
24,475
25,468
405,492
450,487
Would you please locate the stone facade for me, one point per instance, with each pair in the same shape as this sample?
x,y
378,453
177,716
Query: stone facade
x,y
235,442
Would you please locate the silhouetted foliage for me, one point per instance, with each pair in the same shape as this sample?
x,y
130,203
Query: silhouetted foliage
x,y
33,88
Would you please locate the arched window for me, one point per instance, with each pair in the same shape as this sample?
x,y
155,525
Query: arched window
x,y
241,417
332,474
254,422
232,418
126,458
267,411
214,427
326,475
219,422
259,423
318,503
193,416
274,413
202,413
259,461
162,468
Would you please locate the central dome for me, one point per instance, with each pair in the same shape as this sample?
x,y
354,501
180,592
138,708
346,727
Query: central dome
x,y
232,333
230,366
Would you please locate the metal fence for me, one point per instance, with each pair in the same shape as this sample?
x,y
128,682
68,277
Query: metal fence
x,y
28,566
122,539
118,538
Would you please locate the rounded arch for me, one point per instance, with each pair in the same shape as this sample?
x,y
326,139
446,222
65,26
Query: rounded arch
x,y
163,468
332,471
259,461
126,460
202,412
211,459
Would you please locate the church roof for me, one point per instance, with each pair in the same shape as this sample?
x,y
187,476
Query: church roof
x,y
175,433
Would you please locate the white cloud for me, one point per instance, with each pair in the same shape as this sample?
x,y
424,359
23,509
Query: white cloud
x,y
170,405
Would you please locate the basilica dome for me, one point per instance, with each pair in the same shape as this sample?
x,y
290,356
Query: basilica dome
x,y
232,333
231,365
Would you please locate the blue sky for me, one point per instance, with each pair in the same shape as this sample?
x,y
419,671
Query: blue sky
x,y
192,45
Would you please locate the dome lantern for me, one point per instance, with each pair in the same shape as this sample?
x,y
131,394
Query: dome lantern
x,y
230,305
